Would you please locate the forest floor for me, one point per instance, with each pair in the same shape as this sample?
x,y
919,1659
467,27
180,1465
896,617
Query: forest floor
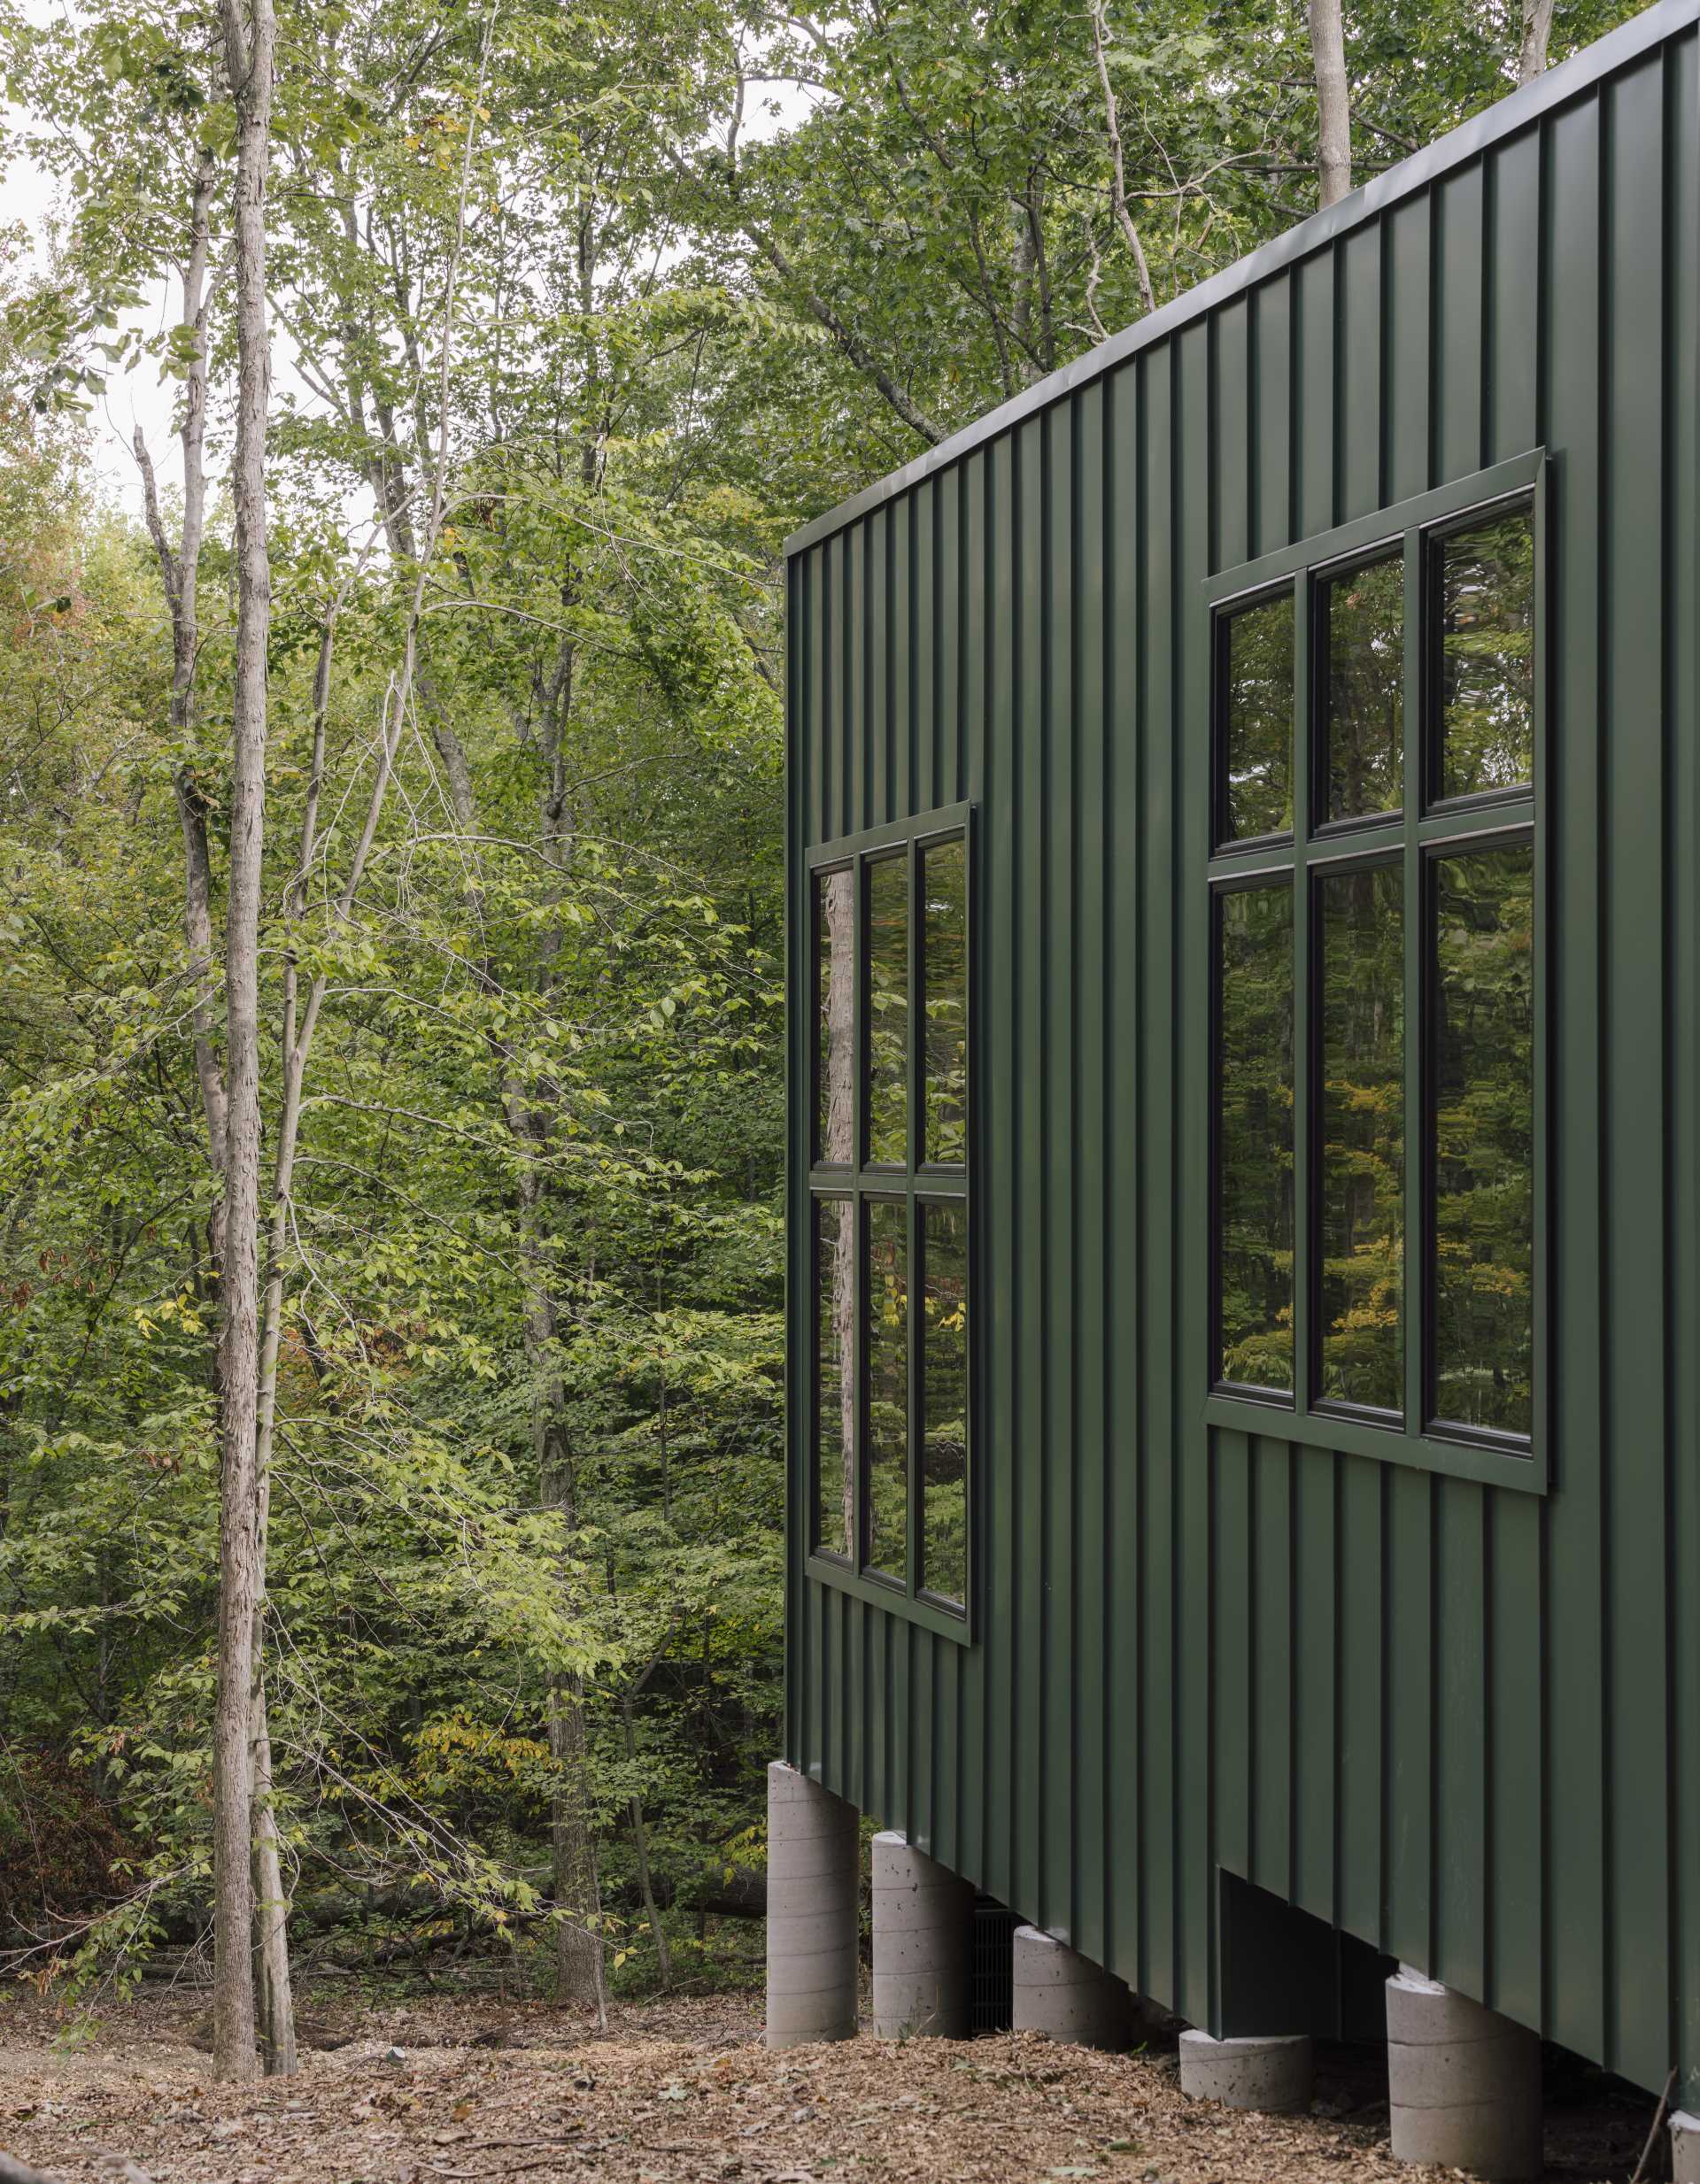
x,y
446,2091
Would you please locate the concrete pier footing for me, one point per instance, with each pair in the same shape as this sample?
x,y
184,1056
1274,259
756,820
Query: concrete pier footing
x,y
923,1945
1685,2147
814,1880
1064,1995
1463,2083
1275,2072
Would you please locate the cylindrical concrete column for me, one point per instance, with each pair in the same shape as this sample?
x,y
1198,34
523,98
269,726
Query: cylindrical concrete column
x,y
1273,2072
1685,2147
814,1880
1463,2083
923,1945
1059,1992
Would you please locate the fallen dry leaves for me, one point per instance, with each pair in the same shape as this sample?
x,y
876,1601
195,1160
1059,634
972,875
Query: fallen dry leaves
x,y
463,2092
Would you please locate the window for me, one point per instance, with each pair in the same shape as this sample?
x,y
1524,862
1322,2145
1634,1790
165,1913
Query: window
x,y
889,1188
1376,1066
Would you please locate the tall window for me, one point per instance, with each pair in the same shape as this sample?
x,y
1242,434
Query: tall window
x,y
889,1191
1375,1057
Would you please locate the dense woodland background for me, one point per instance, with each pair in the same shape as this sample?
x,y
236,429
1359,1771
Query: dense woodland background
x,y
574,313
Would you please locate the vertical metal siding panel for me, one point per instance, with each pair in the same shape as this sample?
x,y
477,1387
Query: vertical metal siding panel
x,y
1406,375
1460,1739
881,793
1231,434
855,814
1316,1650
1638,1752
816,747
1313,393
1234,1461
906,764
1458,328
1312,1595
925,708
1682,627
1126,551
1411,1706
1158,1577
1195,1862
1359,373
1270,1818
1515,1860
876,1695
1030,1454
1060,1734
1514,306
927,1760
1087,1125
1575,1728
1359,1771
1229,1458
1002,1089
1516,1624
1271,415
970,1684
1363,1713
800,746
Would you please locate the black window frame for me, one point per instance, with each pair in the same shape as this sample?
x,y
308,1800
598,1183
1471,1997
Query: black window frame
x,y
914,1183
1426,827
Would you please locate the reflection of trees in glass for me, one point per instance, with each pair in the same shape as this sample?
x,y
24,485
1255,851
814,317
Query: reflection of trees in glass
x,y
887,883
1484,1149
888,1388
1361,1181
943,1390
835,1335
835,1064
1364,618
1487,655
944,892
1255,1135
1259,719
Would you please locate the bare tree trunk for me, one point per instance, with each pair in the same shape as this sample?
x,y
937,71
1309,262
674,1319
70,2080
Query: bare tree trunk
x,y
249,31
1537,29
1099,14
1333,102
276,1997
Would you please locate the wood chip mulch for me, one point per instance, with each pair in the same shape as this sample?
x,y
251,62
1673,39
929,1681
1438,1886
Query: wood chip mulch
x,y
677,2093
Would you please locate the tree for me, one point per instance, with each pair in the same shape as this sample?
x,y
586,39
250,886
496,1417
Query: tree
x,y
1333,102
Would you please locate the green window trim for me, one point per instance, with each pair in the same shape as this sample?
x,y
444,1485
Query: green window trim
x,y
909,1216
1411,845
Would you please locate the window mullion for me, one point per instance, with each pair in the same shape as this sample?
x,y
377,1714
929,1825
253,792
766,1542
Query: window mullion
x,y
1414,1286
1305,1214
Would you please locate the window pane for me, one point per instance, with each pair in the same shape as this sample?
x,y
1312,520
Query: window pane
x,y
1255,1135
1364,617
1484,1138
888,1009
1487,656
1257,719
835,1019
943,889
1361,1184
944,1383
888,1388
835,1326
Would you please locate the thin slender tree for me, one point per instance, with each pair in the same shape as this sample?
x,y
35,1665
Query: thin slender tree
x,y
1333,102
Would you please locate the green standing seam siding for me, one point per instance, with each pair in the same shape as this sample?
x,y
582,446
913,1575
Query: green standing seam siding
x,y
1462,1722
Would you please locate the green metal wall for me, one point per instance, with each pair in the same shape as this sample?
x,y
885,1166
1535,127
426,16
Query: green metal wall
x,y
1459,1722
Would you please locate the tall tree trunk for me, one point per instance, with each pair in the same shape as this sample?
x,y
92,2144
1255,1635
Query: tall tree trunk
x,y
274,1998
250,42
1537,29
1333,102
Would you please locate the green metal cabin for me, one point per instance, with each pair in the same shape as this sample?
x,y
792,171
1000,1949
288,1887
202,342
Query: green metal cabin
x,y
1244,824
